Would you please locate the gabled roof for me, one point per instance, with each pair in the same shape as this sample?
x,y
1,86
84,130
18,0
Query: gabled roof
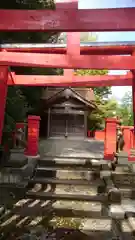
x,y
68,93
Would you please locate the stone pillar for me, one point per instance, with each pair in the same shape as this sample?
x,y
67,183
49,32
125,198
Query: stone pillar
x,y
3,95
110,138
33,135
131,156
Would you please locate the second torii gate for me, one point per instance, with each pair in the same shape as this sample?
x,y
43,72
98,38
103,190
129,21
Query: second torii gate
x,y
74,57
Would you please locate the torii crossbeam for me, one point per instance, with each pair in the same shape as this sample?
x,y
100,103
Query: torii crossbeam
x,y
66,61
74,81
68,20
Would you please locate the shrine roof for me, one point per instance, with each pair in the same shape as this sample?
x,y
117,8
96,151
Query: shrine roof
x,y
68,93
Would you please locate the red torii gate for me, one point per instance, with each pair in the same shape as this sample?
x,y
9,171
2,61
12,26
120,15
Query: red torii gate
x,y
114,62
64,80
71,58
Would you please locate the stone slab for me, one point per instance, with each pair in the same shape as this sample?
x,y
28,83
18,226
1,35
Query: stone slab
x,y
97,225
116,212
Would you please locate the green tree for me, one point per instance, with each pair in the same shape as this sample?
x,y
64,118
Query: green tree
x,y
87,37
99,91
106,108
125,110
96,118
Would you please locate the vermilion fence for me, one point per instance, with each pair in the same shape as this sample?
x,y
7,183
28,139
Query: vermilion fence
x,y
127,133
98,134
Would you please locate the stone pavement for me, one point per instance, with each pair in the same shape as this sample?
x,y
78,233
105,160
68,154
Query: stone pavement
x,y
73,147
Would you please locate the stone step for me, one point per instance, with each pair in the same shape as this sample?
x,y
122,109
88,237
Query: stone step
x,y
66,169
97,186
123,168
98,228
117,177
119,173
72,197
123,178
110,229
74,157
67,174
127,192
74,162
76,209
72,192
116,211
66,189
66,181
63,209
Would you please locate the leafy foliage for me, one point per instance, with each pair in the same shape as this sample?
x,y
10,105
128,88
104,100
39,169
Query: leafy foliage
x,y
100,91
111,108
125,110
106,108
87,37
96,118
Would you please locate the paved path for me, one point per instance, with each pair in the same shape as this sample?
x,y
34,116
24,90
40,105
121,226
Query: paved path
x,y
73,147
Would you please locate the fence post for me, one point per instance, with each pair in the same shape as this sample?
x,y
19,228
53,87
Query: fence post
x,y
110,138
33,135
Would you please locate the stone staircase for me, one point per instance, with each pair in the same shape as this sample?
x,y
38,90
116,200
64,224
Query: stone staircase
x,y
98,193
90,189
62,172
82,188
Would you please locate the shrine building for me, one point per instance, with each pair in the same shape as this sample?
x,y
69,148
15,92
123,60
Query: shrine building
x,y
64,111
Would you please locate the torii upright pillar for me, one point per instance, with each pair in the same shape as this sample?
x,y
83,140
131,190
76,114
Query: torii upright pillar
x,y
3,95
132,151
133,99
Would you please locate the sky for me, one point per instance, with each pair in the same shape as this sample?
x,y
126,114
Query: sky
x,y
117,92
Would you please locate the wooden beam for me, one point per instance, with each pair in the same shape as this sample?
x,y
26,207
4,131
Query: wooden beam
x,y
63,20
84,50
64,61
73,43
73,48
91,81
11,78
10,75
